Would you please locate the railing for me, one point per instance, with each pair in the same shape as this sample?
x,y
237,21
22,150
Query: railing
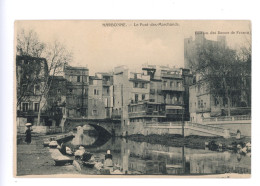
x,y
228,118
106,83
206,127
169,101
203,110
164,124
30,113
171,75
145,113
165,88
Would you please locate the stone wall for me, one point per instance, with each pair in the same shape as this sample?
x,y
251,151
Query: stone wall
x,y
40,129
245,128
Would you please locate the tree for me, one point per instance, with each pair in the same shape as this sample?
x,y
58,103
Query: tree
x,y
57,56
221,71
28,44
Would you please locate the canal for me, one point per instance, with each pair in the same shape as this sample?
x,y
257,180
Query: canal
x,y
141,158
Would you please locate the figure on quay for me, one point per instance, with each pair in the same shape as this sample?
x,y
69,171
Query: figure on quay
x,y
28,134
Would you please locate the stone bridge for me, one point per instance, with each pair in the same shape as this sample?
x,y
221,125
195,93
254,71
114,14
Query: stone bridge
x,y
104,127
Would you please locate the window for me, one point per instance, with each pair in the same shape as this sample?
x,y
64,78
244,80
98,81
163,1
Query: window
x,y
36,107
143,85
165,83
94,112
143,96
25,107
59,91
78,78
136,97
70,90
36,88
95,92
171,83
135,85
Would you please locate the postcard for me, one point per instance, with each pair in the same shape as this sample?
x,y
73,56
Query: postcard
x,y
132,98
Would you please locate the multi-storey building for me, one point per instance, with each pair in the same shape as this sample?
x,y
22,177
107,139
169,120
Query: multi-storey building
x,y
202,104
56,100
77,83
167,91
31,76
107,93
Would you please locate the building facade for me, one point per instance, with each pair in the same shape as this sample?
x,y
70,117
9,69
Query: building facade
x,y
202,104
77,84
31,76
56,100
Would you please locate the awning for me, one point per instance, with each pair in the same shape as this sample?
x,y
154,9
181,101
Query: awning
x,y
173,107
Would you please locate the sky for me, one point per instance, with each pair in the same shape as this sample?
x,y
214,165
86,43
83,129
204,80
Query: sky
x,y
101,48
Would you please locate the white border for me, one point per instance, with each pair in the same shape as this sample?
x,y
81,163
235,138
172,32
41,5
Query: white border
x,y
11,10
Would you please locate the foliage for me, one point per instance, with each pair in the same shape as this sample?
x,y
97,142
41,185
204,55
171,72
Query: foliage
x,y
56,54
224,73
28,44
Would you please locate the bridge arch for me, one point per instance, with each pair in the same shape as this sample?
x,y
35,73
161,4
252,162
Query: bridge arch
x,y
104,127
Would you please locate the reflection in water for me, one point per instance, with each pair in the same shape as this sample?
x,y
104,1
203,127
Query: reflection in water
x,y
143,158
82,139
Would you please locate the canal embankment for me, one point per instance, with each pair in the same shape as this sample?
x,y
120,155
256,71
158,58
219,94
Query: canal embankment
x,y
35,159
195,142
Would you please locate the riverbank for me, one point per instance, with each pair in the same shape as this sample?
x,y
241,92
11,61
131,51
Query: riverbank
x,y
34,159
195,142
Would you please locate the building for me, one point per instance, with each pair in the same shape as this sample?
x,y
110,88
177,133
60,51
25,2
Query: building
x,y
31,76
202,104
56,100
77,84
191,48
107,93
166,92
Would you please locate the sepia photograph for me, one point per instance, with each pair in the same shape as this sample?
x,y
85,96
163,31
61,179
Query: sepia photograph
x,y
132,98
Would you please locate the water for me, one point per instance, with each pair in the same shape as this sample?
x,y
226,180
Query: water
x,y
142,158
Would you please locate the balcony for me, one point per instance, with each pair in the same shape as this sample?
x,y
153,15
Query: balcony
x,y
142,114
166,88
171,102
107,83
30,113
168,75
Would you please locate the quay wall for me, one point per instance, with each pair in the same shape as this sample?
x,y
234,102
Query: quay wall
x,y
144,129
245,128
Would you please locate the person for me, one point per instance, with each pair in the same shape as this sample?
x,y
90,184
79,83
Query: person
x,y
108,155
108,164
238,136
28,137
